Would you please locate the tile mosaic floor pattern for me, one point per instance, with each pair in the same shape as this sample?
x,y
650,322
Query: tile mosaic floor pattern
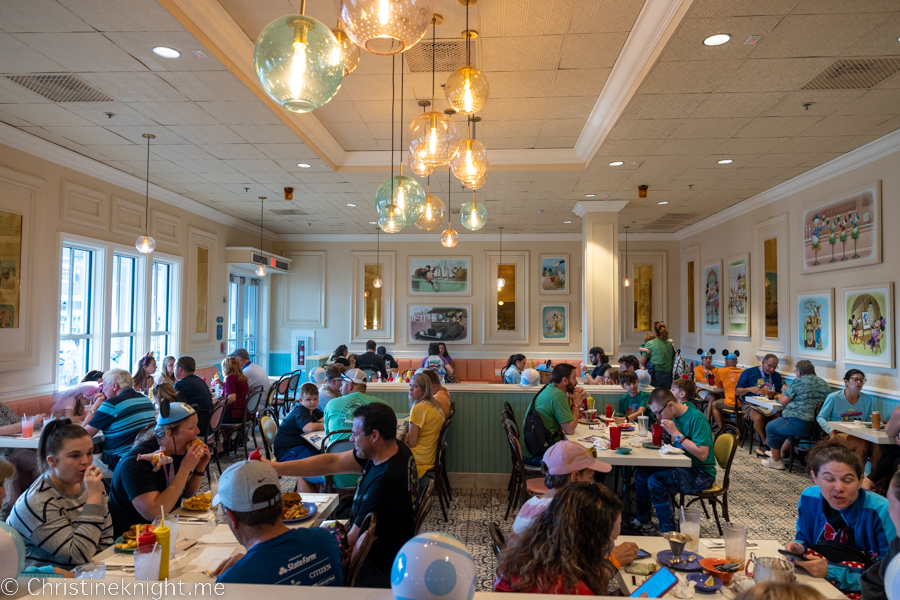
x,y
764,499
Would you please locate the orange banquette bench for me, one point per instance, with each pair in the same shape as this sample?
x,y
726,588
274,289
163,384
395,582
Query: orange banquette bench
x,y
474,370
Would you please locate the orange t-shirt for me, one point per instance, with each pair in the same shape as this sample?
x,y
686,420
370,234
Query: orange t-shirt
x,y
727,378
700,373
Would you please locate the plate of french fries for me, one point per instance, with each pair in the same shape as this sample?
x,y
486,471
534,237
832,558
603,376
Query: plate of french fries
x,y
295,510
200,502
128,541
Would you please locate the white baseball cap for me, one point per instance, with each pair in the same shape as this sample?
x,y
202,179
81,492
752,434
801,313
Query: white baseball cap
x,y
355,376
238,483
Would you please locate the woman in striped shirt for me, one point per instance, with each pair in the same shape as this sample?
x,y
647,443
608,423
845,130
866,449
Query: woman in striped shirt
x,y
64,516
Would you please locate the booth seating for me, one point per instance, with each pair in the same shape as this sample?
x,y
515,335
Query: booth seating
x,y
475,370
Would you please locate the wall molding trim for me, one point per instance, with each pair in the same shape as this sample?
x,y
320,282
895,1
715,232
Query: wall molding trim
x,y
463,237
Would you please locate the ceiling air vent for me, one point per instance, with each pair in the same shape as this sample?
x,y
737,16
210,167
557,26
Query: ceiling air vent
x,y
60,88
669,221
287,211
449,55
854,74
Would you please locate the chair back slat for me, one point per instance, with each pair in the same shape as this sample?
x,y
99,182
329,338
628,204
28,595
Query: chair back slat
x,y
363,551
253,399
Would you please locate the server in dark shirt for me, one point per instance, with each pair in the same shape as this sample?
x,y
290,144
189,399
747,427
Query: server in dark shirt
x,y
387,486
389,361
193,390
370,360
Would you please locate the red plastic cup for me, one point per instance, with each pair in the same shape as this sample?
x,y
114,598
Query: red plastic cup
x,y
615,437
609,411
711,378
657,435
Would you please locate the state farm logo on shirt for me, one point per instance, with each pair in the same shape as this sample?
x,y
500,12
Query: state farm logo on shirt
x,y
296,564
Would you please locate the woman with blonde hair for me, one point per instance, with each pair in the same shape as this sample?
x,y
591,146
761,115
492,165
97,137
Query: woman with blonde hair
x,y
163,391
234,390
425,421
167,373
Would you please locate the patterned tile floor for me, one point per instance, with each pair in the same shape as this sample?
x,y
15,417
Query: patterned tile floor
x,y
764,499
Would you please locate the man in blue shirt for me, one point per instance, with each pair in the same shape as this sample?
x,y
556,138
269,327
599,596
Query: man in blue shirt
x,y
756,381
194,391
276,555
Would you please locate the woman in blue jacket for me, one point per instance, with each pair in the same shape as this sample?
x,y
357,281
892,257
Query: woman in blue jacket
x,y
841,528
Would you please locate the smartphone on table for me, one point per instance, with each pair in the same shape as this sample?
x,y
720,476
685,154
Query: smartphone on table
x,y
791,554
656,587
642,554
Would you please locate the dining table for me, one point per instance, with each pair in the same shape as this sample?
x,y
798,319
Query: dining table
x,y
764,402
17,441
862,430
709,388
203,544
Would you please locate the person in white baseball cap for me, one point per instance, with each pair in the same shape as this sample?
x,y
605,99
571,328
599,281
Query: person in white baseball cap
x,y
251,497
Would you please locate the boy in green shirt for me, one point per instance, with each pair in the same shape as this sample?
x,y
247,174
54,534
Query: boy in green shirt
x,y
634,403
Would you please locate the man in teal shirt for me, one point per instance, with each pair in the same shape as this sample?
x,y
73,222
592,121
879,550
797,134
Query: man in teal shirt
x,y
690,431
552,405
339,413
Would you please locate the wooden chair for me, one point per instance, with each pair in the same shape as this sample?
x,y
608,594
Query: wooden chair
x,y
524,487
291,397
806,442
424,504
331,445
359,558
498,542
268,429
724,447
511,428
281,394
211,436
439,472
248,422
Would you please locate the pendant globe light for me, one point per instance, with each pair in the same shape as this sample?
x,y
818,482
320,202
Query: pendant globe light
x,y
417,166
432,135
349,50
467,89
500,281
299,62
470,164
146,244
473,215
449,237
377,283
386,26
261,269
626,282
433,215
403,193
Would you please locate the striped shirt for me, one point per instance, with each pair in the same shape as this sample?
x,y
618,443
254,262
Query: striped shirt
x,y
60,529
120,419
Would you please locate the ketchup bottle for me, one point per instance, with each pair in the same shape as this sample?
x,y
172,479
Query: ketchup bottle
x,y
255,455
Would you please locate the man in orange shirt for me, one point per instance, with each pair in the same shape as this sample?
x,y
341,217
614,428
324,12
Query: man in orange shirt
x,y
726,378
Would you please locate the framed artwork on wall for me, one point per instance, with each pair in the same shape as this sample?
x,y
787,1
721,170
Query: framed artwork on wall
x,y
738,308
814,325
439,323
450,276
555,323
843,233
712,296
867,326
554,268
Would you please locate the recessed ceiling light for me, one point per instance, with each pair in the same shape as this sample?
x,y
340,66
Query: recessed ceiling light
x,y
716,40
166,52
616,163
567,221
590,195
724,161
373,223
304,165
663,202
353,205
540,211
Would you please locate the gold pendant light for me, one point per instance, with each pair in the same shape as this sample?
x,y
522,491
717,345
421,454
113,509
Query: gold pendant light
x,y
433,216
261,269
386,26
626,282
449,237
146,244
467,89
470,164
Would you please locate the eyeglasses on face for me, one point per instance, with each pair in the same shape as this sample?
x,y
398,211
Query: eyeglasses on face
x,y
858,379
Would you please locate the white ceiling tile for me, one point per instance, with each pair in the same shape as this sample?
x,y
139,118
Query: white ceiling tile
x,y
46,115
164,136
134,87
174,113
140,44
78,52
123,15
208,134
90,136
209,86
17,57
234,151
38,15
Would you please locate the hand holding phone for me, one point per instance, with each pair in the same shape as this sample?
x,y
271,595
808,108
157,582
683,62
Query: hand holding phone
x,y
642,554
656,587
791,555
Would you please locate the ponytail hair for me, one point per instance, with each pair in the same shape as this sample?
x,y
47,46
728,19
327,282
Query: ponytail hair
x,y
54,437
513,359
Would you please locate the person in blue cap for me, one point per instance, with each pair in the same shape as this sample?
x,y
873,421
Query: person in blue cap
x,y
140,488
546,372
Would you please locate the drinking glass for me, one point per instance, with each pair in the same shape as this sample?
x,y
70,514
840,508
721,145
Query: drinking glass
x,y
735,542
590,402
146,562
690,524
172,524
90,571
27,426
615,437
643,425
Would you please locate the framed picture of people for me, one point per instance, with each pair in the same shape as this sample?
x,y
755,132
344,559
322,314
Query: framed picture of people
x,y
555,323
867,325
844,232
554,269
450,276
814,325
712,296
737,311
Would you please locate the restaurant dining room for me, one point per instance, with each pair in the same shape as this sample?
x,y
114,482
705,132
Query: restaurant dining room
x,y
437,299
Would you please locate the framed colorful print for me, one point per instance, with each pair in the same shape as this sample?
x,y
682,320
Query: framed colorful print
x,y
712,296
814,325
554,268
555,323
737,311
450,276
843,232
440,323
867,326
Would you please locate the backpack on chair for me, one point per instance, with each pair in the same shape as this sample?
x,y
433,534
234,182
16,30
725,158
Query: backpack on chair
x,y
537,438
679,366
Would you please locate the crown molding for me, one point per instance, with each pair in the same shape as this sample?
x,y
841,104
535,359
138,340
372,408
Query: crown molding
x,y
583,207
427,237
649,237
874,150
35,146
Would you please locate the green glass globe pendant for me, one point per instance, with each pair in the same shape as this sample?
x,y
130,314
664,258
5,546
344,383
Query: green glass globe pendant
x,y
298,62
405,194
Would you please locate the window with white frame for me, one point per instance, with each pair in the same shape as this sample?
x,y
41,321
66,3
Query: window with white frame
x,y
161,300
122,329
76,327
243,301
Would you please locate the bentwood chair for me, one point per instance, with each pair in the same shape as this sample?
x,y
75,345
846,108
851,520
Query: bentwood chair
x,y
247,426
724,447
281,393
498,541
424,504
211,436
524,487
291,396
359,558
268,429
329,446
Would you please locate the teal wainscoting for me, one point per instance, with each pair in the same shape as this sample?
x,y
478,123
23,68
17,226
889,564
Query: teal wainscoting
x,y
279,363
476,442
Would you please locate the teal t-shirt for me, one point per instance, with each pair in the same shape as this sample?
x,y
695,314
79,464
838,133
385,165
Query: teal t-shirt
x,y
339,415
635,402
553,408
694,426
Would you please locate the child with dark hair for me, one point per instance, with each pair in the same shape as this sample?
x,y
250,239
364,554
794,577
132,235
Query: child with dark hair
x,y
306,417
64,517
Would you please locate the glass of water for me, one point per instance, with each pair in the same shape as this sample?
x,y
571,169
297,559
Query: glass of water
x,y
690,524
90,571
146,562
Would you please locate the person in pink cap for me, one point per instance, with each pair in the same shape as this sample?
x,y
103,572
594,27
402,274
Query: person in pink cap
x,y
566,462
